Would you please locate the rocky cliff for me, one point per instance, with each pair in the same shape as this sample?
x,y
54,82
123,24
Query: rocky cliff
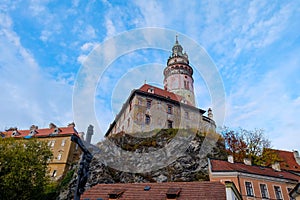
x,y
127,158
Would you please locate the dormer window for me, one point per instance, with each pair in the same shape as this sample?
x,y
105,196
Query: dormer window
x,y
151,90
173,193
183,101
15,133
56,131
32,133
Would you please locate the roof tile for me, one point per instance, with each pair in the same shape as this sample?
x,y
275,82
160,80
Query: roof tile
x,y
44,132
224,166
189,191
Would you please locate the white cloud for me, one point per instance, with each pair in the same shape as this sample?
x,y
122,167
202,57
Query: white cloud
x,y
268,104
29,94
153,13
110,28
88,46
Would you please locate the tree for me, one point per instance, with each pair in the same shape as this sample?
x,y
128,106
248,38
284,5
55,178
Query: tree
x,y
23,168
249,144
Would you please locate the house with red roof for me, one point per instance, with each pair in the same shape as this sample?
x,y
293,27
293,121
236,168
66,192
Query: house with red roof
x,y
289,160
254,182
149,107
163,191
65,152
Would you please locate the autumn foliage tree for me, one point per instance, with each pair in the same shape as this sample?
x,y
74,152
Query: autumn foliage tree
x,y
23,168
251,144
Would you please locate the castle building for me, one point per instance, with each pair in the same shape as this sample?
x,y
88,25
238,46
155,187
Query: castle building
x,y
65,152
149,107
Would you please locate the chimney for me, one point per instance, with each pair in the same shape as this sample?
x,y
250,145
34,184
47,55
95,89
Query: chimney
x,y
230,159
210,114
247,161
72,124
297,157
276,166
51,125
33,127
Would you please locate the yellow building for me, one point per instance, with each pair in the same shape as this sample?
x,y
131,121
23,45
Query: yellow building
x,y
65,152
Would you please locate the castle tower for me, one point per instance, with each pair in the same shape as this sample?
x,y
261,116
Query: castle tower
x,y
178,75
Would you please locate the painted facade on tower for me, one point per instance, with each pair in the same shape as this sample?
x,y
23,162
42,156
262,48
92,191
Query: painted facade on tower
x,y
151,108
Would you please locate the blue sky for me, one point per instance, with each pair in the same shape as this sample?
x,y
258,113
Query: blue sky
x,y
255,46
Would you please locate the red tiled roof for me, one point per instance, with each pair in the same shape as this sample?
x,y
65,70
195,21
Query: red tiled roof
x,y
135,191
44,132
224,166
288,160
163,93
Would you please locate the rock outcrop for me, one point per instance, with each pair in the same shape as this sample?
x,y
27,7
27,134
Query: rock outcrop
x,y
166,155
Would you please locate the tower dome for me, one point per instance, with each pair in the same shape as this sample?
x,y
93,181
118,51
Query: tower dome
x,y
178,75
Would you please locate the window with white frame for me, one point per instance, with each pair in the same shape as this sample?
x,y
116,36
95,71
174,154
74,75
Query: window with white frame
x,y
249,189
54,173
63,142
264,191
278,193
51,143
59,156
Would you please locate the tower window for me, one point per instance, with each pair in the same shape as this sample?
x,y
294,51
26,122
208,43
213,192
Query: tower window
x,y
186,85
170,109
147,119
170,124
